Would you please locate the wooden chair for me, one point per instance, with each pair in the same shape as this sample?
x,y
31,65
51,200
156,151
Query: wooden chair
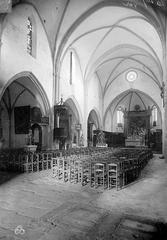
x,y
35,162
54,166
86,171
112,175
60,166
66,169
99,174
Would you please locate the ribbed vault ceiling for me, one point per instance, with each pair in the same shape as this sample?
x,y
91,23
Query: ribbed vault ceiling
x,y
113,40
128,100
18,88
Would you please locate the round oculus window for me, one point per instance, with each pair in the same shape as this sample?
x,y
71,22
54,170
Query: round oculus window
x,y
131,76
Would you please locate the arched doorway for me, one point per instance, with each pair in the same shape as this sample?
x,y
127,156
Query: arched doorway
x,y
20,97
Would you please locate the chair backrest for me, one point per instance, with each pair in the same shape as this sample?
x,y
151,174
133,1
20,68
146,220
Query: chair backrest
x,y
112,167
99,167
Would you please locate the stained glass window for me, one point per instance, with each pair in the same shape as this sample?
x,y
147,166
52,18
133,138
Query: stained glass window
x,y
120,116
29,36
154,115
71,67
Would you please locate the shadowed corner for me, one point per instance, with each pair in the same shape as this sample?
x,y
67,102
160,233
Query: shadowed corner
x,y
6,174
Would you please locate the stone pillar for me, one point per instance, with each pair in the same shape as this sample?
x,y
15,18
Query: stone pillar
x,y
163,132
70,129
164,95
164,125
125,123
85,131
91,133
85,117
49,130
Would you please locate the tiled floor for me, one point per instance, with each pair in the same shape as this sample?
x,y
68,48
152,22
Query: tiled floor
x,y
47,209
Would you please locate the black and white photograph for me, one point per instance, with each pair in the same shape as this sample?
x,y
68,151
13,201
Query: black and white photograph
x,y
83,119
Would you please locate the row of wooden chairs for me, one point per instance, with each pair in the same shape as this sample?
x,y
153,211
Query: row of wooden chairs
x,y
100,169
36,162
84,172
32,162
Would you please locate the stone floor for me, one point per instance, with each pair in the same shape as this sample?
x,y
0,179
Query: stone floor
x,y
36,207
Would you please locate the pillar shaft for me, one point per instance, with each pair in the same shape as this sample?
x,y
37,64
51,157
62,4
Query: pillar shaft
x,y
164,112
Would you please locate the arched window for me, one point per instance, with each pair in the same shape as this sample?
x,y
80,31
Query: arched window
x,y
72,67
154,115
120,117
31,37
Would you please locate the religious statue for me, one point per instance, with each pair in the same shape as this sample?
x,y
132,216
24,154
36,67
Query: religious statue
x,y
81,140
30,138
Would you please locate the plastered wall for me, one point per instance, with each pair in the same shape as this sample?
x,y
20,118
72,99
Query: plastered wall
x,y
14,56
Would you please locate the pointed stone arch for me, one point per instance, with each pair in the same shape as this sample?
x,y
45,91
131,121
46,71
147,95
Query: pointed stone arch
x,y
25,91
31,77
95,117
74,105
93,123
122,96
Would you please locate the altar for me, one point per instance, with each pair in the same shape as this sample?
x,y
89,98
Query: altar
x,y
133,142
30,148
137,125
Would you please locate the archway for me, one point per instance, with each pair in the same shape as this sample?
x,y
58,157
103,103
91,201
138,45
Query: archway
x,y
74,119
23,103
67,124
142,117
92,125
107,59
